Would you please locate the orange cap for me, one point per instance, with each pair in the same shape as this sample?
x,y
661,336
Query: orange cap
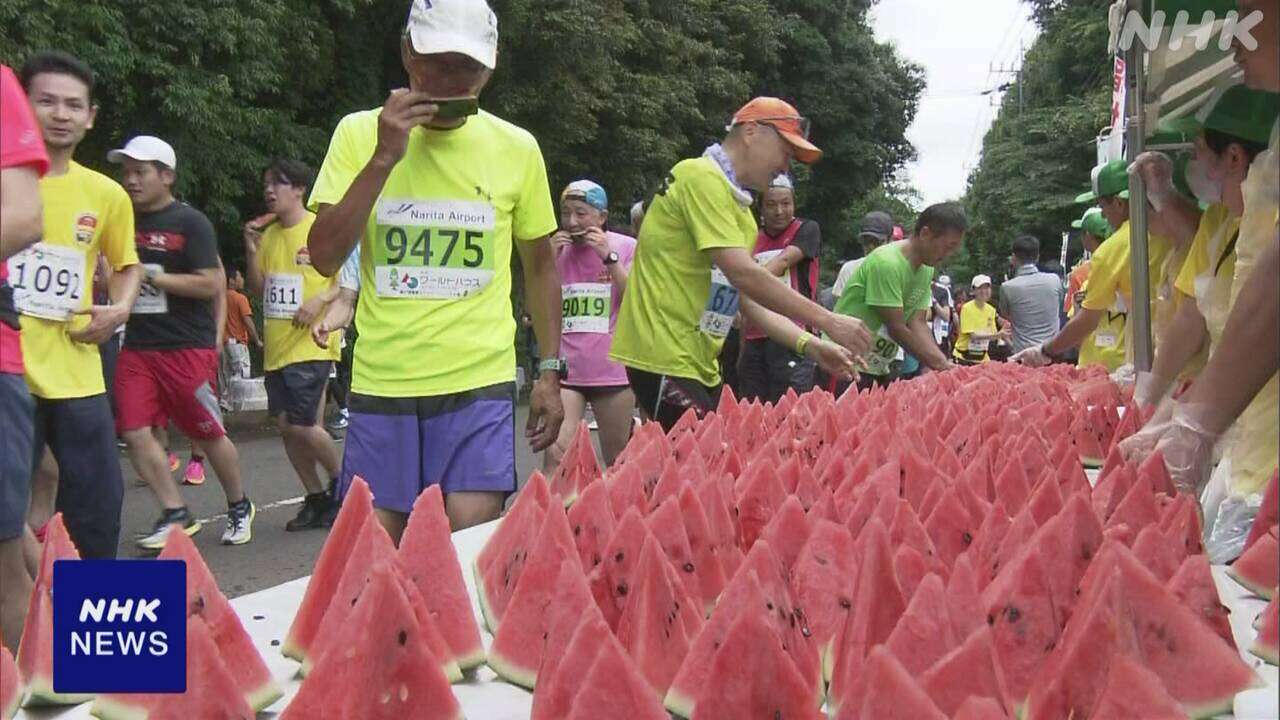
x,y
783,117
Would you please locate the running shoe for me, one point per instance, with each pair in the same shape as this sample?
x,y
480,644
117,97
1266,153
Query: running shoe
x,y
341,420
316,509
174,463
239,522
195,472
179,517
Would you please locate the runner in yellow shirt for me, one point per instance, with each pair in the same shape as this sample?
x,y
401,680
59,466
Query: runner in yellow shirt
x,y
979,325
1108,292
293,296
438,196
85,214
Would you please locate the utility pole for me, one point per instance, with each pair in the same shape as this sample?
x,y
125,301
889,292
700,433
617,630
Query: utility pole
x,y
1016,72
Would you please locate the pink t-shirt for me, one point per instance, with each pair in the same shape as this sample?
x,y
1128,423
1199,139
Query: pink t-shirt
x,y
590,303
20,144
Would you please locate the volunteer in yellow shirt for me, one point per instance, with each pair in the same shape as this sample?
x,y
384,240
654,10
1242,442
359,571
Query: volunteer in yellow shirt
x,y
1100,329
1095,229
297,370
694,257
85,214
978,325
438,197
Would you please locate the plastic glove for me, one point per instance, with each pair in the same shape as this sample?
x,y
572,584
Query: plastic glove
x,y
1156,170
1031,357
1188,450
1138,447
1150,389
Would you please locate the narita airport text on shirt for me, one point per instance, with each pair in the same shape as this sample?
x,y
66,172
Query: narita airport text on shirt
x,y
115,642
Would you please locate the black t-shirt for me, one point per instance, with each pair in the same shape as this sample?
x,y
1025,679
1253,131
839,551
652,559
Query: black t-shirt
x,y
180,239
809,239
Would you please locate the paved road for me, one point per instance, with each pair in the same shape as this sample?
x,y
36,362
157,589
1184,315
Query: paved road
x,y
274,556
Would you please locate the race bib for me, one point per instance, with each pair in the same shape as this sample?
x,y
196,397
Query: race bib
x,y
722,306
433,249
979,347
47,281
763,258
1104,340
585,308
883,353
151,299
283,296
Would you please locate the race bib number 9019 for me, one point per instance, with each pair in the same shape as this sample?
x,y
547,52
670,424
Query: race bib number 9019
x,y
585,308
433,249
47,281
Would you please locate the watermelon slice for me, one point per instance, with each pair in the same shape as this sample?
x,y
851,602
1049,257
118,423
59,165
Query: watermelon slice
x,y
1268,514
788,531
1025,622
614,688
613,580
706,552
1258,569
761,496
753,676
822,578
966,671
1181,521
626,489
1193,584
1046,500
562,675
35,649
1132,691
211,692
653,628
234,644
592,521
877,605
1137,509
888,691
950,527
1267,646
498,566
1158,552
964,597
10,685
667,527
1011,486
668,487
979,708
1089,446
356,507
427,558
910,568
398,678
517,648
578,467
923,633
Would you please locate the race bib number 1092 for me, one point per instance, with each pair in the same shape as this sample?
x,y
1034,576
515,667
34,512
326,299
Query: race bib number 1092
x,y
48,281
433,249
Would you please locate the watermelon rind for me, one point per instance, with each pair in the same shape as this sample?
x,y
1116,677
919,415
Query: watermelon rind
x,y
511,672
106,708
490,622
40,693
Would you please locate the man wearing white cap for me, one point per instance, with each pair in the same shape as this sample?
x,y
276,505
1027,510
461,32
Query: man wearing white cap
x,y
437,194
169,365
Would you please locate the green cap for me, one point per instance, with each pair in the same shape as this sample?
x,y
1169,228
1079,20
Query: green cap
x,y
1094,223
1108,180
1236,111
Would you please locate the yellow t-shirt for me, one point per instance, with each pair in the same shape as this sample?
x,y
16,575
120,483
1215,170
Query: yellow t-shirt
x,y
679,307
85,213
1207,273
435,312
290,281
974,319
1110,290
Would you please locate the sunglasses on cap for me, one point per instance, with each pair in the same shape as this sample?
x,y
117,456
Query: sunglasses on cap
x,y
794,123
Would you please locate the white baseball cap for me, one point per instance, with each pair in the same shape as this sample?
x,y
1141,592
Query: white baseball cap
x,y
980,280
146,148
462,26
944,280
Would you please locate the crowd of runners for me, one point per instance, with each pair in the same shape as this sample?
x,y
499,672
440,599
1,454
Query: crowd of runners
x,y
130,322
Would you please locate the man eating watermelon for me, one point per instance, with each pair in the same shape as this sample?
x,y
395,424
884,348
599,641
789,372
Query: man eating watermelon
x,y
694,271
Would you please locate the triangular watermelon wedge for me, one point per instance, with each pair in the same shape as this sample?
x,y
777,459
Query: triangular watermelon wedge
x,y
11,689
752,675
35,650
211,692
877,605
428,559
1267,645
1158,552
923,633
761,496
1025,622
823,581
979,708
1193,584
966,671
950,527
706,552
357,505
498,566
561,680
887,690
653,628
626,489
1268,514
788,531
516,653
667,527
612,581
204,599
614,688
592,521
964,597
378,666
1258,569
1132,691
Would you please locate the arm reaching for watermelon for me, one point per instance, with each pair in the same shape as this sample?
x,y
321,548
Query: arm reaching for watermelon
x,y
1072,335
834,359
915,336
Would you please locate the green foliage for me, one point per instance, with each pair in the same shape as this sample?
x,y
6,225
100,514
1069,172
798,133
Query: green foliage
x,y
616,90
1035,161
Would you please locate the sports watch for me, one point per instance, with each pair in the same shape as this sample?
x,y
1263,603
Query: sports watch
x,y
611,258
556,365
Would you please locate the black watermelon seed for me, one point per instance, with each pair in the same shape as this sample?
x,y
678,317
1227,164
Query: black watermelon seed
x,y
1014,614
844,603
688,567
967,538
618,557
403,637
622,588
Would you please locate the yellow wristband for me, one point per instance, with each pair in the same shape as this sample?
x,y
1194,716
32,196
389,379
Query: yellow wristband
x,y
803,342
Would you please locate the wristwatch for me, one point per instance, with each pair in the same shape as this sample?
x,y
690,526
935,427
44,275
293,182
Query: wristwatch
x,y
556,365
611,258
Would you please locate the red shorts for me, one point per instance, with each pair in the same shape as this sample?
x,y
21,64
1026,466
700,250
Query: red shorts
x,y
178,384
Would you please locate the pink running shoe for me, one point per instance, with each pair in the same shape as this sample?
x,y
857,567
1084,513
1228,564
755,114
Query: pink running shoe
x,y
174,462
195,473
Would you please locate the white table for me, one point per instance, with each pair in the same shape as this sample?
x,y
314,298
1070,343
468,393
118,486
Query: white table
x,y
268,613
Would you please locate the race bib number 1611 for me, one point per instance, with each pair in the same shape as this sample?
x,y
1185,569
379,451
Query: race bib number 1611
x,y
433,249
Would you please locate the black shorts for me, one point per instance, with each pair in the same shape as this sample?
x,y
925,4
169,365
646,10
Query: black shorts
x,y
17,413
665,398
297,391
591,392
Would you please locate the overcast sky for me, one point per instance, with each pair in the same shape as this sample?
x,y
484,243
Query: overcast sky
x,y
958,44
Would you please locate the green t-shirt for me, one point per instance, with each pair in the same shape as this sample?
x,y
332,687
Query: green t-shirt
x,y
435,258
678,307
885,280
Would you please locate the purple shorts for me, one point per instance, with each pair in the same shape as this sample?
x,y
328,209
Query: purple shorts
x,y
464,442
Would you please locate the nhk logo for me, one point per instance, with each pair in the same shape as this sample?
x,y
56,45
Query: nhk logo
x,y
1230,30
119,626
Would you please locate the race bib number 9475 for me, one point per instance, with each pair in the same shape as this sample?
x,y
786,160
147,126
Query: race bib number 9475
x,y
433,249
47,281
